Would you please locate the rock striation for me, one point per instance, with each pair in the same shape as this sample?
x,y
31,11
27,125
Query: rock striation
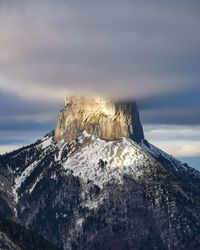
x,y
107,119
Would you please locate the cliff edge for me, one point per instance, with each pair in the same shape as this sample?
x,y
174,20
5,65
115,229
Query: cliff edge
x,y
102,117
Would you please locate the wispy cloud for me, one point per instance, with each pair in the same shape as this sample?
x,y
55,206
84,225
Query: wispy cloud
x,y
8,148
180,149
175,139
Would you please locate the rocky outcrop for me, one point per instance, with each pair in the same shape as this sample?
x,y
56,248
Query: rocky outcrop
x,y
104,118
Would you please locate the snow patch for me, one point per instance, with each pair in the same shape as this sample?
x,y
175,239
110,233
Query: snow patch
x,y
22,177
46,142
104,162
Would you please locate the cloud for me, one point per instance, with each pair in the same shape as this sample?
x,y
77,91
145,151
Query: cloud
x,y
8,148
193,161
23,121
129,48
178,140
181,107
12,105
178,149
174,115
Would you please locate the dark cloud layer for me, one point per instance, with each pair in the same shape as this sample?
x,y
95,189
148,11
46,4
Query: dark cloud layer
x,y
13,125
129,48
180,108
12,105
22,120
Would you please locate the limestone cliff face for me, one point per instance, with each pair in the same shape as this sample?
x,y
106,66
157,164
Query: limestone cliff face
x,y
104,118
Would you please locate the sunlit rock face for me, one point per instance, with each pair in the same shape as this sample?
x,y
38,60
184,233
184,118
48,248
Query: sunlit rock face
x,y
102,117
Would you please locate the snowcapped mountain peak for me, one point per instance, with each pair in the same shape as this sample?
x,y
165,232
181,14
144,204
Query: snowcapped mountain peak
x,y
104,161
96,183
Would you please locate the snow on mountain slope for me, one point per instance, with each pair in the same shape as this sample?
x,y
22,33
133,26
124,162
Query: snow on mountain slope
x,y
97,160
105,161
91,188
45,146
89,158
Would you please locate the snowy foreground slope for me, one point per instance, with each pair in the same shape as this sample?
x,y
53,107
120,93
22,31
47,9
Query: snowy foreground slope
x,y
96,194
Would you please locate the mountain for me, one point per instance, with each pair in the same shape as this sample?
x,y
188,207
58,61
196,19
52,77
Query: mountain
x,y
96,183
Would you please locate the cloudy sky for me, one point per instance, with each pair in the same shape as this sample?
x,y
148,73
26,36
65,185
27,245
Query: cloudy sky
x,y
148,50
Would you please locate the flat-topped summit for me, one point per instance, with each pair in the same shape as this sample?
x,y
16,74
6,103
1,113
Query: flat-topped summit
x,y
108,119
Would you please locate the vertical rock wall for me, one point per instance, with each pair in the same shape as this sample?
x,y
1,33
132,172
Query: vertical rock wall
x,y
104,118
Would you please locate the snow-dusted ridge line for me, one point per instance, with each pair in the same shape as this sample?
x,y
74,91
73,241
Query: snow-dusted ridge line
x,y
177,165
45,143
97,160
103,161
